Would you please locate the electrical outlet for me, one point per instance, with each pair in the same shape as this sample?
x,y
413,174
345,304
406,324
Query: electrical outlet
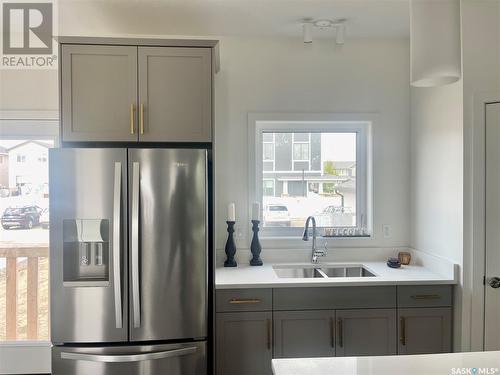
x,y
387,230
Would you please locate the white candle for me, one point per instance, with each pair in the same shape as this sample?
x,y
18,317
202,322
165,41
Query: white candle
x,y
256,211
231,212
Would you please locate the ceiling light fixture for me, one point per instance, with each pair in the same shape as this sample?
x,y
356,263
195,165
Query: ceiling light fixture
x,y
308,24
307,32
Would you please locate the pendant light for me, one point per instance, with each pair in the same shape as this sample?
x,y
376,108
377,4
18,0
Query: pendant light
x,y
435,46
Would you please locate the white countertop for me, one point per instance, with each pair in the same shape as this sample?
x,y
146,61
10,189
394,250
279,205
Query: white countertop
x,y
245,276
485,363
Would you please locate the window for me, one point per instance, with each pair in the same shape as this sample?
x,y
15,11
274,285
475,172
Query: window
x,y
319,169
268,151
268,188
24,240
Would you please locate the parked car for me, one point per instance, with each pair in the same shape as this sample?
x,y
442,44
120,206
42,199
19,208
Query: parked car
x,y
276,215
44,219
25,217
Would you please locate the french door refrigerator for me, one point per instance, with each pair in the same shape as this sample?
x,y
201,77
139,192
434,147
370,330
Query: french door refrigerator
x,y
128,261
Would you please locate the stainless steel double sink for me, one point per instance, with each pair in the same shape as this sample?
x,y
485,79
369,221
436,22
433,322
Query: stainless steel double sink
x,y
310,272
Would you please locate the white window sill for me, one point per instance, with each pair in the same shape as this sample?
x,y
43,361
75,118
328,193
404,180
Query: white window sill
x,y
25,357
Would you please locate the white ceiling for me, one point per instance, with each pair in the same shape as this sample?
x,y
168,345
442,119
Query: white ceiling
x,y
366,18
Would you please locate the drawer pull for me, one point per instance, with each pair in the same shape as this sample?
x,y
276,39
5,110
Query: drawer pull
x,y
332,331
425,296
341,332
269,334
402,337
236,301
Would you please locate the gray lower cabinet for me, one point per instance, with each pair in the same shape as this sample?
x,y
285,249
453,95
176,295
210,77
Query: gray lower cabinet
x,y
424,330
244,343
175,91
301,334
98,93
366,332
253,325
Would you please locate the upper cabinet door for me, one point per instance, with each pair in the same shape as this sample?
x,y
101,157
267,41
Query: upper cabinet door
x,y
175,94
99,93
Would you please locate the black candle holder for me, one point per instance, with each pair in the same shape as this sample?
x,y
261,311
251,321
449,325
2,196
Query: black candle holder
x,y
255,247
230,246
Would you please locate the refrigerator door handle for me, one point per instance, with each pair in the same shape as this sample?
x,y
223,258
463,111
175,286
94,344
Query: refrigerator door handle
x,y
117,204
121,358
135,245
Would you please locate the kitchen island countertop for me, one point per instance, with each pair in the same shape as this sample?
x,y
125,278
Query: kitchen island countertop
x,y
486,363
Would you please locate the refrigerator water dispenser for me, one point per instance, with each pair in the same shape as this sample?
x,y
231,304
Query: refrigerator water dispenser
x,y
86,252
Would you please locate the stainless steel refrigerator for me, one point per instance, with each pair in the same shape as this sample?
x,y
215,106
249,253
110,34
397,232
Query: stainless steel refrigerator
x,y
129,261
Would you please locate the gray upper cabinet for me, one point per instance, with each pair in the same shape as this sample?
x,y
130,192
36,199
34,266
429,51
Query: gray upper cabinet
x,y
175,94
120,93
98,93
366,332
424,330
301,334
244,343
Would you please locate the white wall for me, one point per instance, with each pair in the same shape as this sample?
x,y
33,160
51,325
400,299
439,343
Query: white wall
x,y
437,176
28,90
481,75
436,170
442,139
284,75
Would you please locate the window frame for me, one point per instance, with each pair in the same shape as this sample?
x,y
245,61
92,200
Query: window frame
x,y
361,124
40,126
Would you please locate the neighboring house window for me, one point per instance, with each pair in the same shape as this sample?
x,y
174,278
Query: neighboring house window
x,y
319,170
21,158
268,188
268,149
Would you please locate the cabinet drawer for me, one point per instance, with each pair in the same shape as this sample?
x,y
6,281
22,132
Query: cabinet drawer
x,y
243,300
357,297
425,295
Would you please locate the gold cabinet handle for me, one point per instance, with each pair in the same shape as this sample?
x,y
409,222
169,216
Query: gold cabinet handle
x,y
402,327
332,332
132,122
341,332
425,296
269,334
236,301
141,121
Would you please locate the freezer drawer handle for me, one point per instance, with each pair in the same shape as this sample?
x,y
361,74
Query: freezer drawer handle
x,y
121,358
135,245
116,244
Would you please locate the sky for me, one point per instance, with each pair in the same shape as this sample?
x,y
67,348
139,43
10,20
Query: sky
x,y
338,146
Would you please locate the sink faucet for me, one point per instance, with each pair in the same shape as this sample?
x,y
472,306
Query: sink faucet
x,y
315,253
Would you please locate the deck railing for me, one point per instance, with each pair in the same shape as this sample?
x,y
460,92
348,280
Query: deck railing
x,y
14,318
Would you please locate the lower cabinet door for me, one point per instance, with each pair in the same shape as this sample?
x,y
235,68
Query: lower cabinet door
x,y
299,334
424,330
244,343
366,332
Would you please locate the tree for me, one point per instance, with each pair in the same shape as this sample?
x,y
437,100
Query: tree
x,y
329,168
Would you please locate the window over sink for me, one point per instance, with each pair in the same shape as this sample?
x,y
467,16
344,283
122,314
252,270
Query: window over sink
x,y
313,168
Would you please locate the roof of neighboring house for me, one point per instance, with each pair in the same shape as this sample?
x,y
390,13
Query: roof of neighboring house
x,y
3,150
43,144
